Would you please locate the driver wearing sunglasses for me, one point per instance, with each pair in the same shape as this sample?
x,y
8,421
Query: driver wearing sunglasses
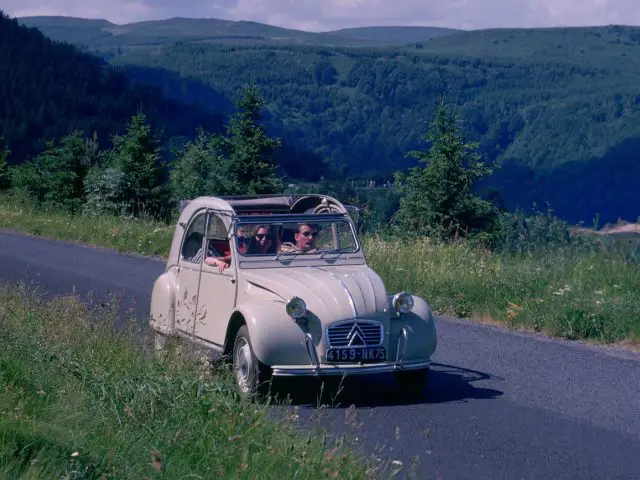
x,y
306,237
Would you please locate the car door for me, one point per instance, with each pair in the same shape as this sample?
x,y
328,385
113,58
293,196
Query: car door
x,y
188,277
217,290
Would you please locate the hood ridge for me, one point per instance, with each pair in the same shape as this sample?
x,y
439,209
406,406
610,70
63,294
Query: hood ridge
x,y
332,294
302,277
346,291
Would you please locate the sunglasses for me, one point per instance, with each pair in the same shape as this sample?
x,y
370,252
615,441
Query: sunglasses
x,y
260,236
308,234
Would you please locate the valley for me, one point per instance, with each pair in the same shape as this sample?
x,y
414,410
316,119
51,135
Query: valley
x,y
557,108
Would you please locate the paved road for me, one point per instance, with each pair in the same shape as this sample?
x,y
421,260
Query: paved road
x,y
501,405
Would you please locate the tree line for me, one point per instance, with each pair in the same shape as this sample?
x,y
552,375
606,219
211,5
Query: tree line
x,y
48,89
135,176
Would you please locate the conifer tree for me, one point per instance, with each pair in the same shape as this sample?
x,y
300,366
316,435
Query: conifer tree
x,y
137,155
241,162
438,198
250,151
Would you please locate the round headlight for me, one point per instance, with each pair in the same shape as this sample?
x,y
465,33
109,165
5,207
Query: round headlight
x,y
296,307
403,302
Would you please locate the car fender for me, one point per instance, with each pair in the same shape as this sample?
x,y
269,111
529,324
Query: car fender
x,y
275,337
163,303
419,324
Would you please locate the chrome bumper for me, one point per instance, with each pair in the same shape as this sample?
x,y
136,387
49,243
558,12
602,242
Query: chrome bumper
x,y
317,369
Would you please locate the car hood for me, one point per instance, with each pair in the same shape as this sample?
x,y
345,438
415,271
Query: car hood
x,y
330,293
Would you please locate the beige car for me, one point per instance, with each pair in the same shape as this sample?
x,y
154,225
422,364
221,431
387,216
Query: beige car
x,y
280,285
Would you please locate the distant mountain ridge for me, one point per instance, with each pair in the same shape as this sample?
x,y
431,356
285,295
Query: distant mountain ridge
x,y
393,35
100,32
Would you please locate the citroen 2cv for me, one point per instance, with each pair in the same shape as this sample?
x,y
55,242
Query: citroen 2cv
x,y
279,285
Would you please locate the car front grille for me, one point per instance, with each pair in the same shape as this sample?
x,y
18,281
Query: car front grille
x,y
355,333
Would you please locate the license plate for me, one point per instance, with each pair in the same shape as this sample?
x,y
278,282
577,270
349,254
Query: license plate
x,y
356,355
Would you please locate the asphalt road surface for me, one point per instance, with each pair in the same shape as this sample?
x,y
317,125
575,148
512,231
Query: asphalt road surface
x,y
501,405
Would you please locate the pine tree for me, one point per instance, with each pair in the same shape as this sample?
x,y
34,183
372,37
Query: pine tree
x,y
439,201
137,155
56,176
239,163
251,161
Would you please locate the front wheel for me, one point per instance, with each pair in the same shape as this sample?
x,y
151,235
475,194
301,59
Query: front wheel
x,y
251,377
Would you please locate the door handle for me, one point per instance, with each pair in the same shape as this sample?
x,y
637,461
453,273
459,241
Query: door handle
x,y
232,279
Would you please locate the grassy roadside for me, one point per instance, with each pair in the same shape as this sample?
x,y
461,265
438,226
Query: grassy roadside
x,y
131,235
570,293
574,293
79,400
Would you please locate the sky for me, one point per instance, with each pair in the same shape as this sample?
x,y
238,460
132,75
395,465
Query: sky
x,y
322,15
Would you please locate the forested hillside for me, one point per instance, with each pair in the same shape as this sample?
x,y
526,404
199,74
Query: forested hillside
x,y
559,108
48,89
559,122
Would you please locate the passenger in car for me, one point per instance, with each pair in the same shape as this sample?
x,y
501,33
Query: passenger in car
x,y
243,241
261,242
223,259
222,262
211,252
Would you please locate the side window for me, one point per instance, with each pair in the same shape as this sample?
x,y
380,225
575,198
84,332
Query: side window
x,y
216,237
192,243
217,229
346,240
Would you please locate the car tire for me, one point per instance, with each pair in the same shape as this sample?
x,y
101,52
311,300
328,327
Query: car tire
x,y
251,377
412,382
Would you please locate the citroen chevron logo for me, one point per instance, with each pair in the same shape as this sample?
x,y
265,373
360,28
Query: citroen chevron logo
x,y
356,336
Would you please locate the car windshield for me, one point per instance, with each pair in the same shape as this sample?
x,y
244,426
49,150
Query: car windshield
x,y
298,237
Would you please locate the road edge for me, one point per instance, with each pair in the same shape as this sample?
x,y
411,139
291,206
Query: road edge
x,y
617,350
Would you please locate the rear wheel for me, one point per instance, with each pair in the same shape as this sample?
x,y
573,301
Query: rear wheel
x,y
251,376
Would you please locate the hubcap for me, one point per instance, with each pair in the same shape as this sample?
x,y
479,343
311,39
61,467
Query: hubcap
x,y
243,365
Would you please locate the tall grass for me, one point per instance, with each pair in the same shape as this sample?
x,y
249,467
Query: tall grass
x,y
80,400
132,235
575,292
